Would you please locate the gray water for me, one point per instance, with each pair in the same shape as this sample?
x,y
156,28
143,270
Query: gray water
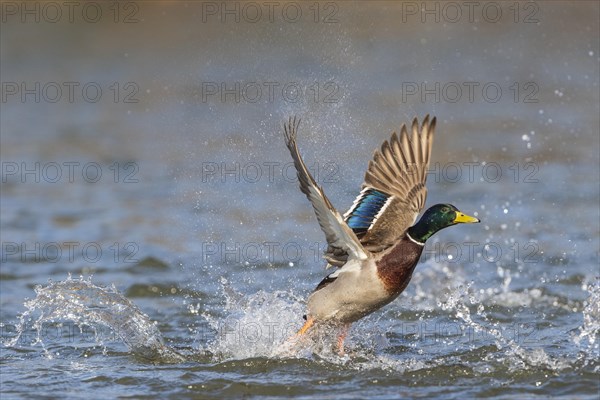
x,y
155,243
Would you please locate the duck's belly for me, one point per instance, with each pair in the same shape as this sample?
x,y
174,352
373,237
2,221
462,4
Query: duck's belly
x,y
355,293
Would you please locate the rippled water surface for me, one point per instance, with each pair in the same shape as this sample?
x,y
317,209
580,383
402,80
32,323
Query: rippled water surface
x,y
155,243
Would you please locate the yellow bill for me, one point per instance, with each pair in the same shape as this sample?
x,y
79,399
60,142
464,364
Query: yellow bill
x,y
465,219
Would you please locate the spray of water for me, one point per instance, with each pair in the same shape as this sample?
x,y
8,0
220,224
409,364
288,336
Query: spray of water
x,y
86,304
587,336
263,324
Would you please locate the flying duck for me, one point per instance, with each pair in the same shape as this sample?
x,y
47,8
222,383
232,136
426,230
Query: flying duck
x,y
376,244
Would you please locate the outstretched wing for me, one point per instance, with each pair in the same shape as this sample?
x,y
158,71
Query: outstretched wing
x,y
393,193
340,238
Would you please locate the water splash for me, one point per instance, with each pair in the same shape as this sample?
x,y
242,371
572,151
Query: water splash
x,y
517,356
255,325
260,325
587,338
85,304
264,324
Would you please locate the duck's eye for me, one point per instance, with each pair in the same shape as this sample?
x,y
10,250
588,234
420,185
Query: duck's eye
x,y
445,209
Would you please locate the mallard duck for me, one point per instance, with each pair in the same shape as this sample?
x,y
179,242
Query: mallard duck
x,y
376,244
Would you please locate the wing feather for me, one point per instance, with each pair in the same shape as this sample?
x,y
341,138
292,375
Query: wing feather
x,y
398,169
342,241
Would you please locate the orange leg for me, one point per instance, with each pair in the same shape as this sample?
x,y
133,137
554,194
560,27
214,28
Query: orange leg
x,y
341,338
309,322
290,343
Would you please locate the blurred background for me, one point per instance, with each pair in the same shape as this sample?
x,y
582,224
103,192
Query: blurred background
x,y
141,143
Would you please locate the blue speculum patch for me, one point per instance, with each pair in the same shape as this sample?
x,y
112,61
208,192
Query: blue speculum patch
x,y
362,215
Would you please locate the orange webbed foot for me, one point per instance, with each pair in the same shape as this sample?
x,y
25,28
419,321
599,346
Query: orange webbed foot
x,y
307,325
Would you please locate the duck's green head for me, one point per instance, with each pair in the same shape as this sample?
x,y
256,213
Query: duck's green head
x,y
438,217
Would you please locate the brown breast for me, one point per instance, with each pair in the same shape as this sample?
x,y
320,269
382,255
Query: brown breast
x,y
397,264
